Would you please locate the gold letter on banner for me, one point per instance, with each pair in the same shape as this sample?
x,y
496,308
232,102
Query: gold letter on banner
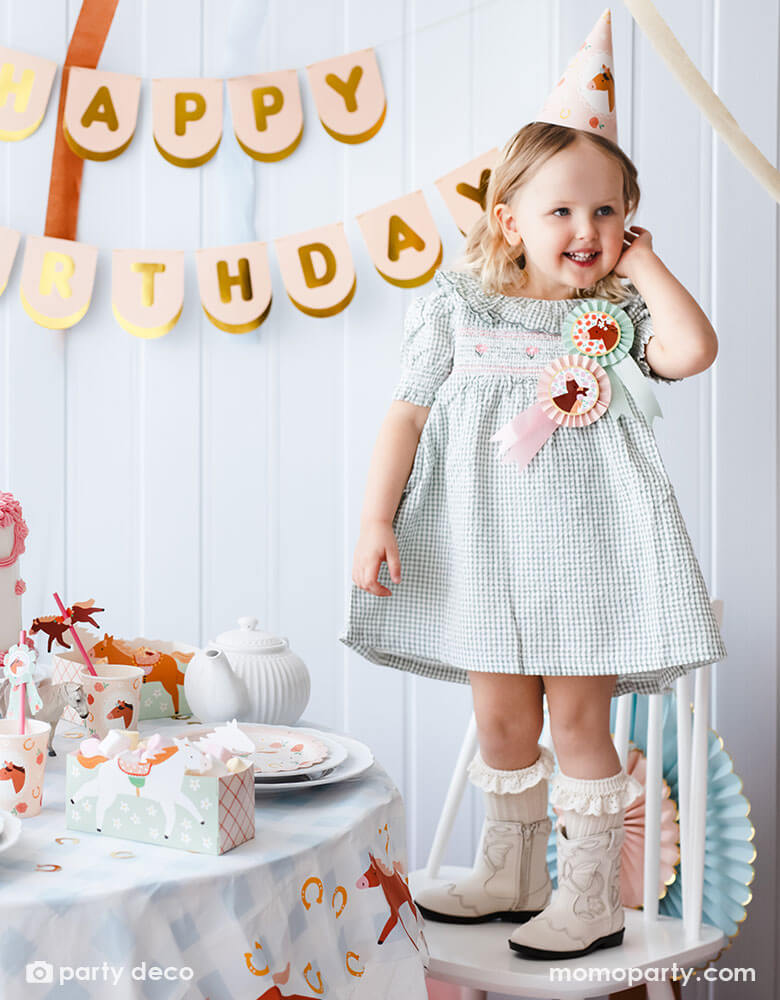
x,y
147,290
57,280
464,189
267,113
349,95
317,270
101,110
402,240
235,286
25,85
9,244
187,118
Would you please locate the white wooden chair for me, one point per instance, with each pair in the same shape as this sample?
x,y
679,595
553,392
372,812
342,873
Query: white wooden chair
x,y
474,959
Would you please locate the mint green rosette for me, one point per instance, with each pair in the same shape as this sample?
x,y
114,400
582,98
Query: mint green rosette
x,y
601,330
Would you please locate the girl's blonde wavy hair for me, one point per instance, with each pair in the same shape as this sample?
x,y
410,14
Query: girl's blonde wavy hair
x,y
501,268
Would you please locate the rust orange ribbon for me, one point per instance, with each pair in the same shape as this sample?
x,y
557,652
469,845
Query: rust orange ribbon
x,y
86,46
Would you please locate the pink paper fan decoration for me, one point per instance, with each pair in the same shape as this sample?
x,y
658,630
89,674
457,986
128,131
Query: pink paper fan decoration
x,y
632,864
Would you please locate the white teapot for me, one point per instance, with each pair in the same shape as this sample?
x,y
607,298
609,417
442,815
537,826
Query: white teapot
x,y
249,675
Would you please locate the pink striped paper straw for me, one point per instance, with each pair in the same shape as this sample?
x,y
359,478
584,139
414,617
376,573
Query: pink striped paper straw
x,y
22,689
74,633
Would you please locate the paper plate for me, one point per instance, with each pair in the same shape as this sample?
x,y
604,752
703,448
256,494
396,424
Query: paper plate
x,y
10,829
358,760
285,751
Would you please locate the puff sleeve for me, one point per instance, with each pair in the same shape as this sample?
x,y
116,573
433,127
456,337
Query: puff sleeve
x,y
427,349
639,314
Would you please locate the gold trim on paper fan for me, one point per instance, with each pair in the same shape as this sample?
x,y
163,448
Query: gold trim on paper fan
x,y
332,311
272,157
87,154
415,282
354,140
178,161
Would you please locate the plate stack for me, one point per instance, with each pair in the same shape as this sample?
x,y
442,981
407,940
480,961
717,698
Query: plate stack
x,y
289,757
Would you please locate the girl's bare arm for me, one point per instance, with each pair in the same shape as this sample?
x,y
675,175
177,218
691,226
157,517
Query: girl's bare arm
x,y
388,473
683,341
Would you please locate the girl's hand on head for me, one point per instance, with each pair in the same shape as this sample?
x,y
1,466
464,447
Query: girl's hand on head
x,y
637,246
376,545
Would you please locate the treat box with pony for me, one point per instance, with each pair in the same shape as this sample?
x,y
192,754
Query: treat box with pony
x,y
164,664
151,792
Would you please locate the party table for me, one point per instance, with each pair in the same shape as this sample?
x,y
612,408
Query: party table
x,y
296,912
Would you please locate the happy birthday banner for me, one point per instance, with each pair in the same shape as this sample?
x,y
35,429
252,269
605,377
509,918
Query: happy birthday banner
x,y
147,286
101,108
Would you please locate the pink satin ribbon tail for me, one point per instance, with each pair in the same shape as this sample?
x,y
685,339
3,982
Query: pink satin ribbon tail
x,y
524,435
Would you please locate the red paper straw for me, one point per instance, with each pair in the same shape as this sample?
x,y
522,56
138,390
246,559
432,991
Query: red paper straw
x,y
74,633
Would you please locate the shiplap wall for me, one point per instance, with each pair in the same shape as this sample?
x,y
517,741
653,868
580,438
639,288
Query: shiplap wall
x,y
189,480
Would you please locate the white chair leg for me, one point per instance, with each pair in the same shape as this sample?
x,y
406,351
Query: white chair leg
x,y
652,858
622,724
452,801
694,878
660,991
447,991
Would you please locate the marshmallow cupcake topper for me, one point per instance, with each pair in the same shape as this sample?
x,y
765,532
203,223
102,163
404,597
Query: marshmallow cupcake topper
x,y
584,97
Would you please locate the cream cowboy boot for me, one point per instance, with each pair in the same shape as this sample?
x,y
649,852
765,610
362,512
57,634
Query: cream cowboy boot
x,y
585,912
509,879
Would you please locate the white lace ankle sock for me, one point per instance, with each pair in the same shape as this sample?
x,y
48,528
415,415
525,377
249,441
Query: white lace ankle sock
x,y
514,796
594,805
582,826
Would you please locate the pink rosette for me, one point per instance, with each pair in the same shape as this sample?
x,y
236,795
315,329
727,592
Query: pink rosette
x,y
573,391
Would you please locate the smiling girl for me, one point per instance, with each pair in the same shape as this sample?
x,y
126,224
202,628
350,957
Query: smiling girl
x,y
566,571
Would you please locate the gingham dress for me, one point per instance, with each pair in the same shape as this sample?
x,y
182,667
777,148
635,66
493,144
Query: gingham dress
x,y
579,564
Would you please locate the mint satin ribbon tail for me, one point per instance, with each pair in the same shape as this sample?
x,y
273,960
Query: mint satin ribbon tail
x,y
628,372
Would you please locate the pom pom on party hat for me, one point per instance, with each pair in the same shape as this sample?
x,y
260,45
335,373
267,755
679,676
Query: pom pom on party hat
x,y
584,97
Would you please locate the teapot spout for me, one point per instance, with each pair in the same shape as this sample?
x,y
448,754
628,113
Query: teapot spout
x,y
214,691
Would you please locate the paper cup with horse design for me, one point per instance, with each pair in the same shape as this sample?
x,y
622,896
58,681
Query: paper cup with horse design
x,y
113,697
22,766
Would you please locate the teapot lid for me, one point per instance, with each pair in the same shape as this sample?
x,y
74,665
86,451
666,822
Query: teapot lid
x,y
248,638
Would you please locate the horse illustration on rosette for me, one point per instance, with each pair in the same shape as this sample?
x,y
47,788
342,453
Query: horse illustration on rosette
x,y
158,777
393,884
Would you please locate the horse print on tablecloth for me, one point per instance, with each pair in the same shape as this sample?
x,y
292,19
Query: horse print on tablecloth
x,y
395,889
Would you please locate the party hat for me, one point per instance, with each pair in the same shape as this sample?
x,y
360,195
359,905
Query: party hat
x,y
584,97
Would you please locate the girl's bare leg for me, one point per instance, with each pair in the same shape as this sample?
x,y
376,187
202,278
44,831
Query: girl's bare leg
x,y
509,714
579,722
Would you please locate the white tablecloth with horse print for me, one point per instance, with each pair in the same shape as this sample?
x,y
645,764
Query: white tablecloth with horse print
x,y
316,906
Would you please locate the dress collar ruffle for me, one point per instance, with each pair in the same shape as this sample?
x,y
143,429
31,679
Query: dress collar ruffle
x,y
544,315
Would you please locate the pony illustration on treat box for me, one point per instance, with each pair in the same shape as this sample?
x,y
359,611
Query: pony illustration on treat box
x,y
158,776
158,793
163,663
